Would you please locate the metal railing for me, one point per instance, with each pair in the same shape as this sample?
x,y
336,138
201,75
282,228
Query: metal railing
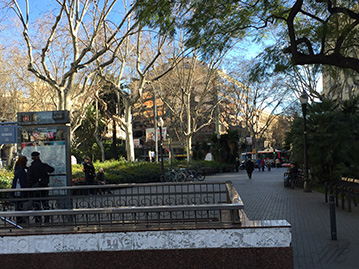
x,y
125,206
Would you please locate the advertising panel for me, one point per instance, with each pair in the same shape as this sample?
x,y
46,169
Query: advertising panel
x,y
150,134
47,132
50,142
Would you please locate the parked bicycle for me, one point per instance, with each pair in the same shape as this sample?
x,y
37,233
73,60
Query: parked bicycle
x,y
192,175
172,175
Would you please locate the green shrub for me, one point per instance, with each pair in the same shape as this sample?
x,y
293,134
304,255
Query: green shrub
x,y
123,172
6,178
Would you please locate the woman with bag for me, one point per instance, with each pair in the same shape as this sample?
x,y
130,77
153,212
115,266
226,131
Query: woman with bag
x,y
19,182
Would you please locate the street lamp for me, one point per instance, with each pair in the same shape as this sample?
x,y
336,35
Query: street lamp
x,y
160,124
304,101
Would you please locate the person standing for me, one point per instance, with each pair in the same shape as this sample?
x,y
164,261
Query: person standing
x,y
236,164
20,172
89,170
90,174
249,168
38,176
19,182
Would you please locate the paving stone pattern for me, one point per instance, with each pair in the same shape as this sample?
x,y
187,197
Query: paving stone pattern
x,y
265,198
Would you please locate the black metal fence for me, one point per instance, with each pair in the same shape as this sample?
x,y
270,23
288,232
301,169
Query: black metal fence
x,y
129,206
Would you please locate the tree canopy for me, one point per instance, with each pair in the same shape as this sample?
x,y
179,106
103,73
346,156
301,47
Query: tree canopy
x,y
332,132
315,32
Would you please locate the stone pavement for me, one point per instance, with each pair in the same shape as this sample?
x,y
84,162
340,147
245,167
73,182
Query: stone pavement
x,y
265,198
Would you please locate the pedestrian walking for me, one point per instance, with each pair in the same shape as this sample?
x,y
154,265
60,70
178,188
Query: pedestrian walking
x,y
38,176
259,165
263,164
268,164
249,168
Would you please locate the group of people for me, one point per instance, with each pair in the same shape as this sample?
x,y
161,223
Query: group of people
x,y
37,176
91,177
249,166
263,163
34,176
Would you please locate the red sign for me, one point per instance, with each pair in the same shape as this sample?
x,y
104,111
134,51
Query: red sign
x,y
25,118
36,135
50,135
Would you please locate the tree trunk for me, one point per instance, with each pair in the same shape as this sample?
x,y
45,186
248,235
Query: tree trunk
x,y
64,102
189,128
98,140
99,143
114,141
189,147
255,143
129,135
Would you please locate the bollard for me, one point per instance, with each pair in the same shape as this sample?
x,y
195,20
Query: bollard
x,y
333,225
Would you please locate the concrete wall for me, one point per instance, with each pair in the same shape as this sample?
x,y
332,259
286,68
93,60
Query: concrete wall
x,y
265,244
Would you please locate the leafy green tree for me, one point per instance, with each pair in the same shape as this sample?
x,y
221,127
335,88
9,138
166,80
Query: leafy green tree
x,y
225,149
200,150
86,144
314,32
332,134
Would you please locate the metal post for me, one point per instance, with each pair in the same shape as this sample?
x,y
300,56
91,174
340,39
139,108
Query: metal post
x,y
333,225
155,123
306,176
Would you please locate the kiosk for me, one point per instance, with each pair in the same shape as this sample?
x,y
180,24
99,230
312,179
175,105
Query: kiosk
x,y
47,132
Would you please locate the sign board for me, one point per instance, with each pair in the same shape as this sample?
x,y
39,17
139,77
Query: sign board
x,y
8,134
249,140
47,132
43,117
150,134
137,143
174,144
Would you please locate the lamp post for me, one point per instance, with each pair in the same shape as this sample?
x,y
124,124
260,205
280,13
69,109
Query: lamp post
x,y
304,102
219,152
160,124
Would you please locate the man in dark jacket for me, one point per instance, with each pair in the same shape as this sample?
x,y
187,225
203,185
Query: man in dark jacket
x,y
90,174
38,176
89,170
249,168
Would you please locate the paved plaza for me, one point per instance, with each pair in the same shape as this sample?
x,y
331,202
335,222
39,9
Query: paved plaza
x,y
265,198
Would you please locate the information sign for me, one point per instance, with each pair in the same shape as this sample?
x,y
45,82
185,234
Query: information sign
x,y
8,134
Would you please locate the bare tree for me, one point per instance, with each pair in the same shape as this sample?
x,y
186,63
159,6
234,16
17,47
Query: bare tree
x,y
90,38
257,104
189,93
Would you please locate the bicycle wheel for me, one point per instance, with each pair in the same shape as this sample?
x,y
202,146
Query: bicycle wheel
x,y
180,177
200,176
172,177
